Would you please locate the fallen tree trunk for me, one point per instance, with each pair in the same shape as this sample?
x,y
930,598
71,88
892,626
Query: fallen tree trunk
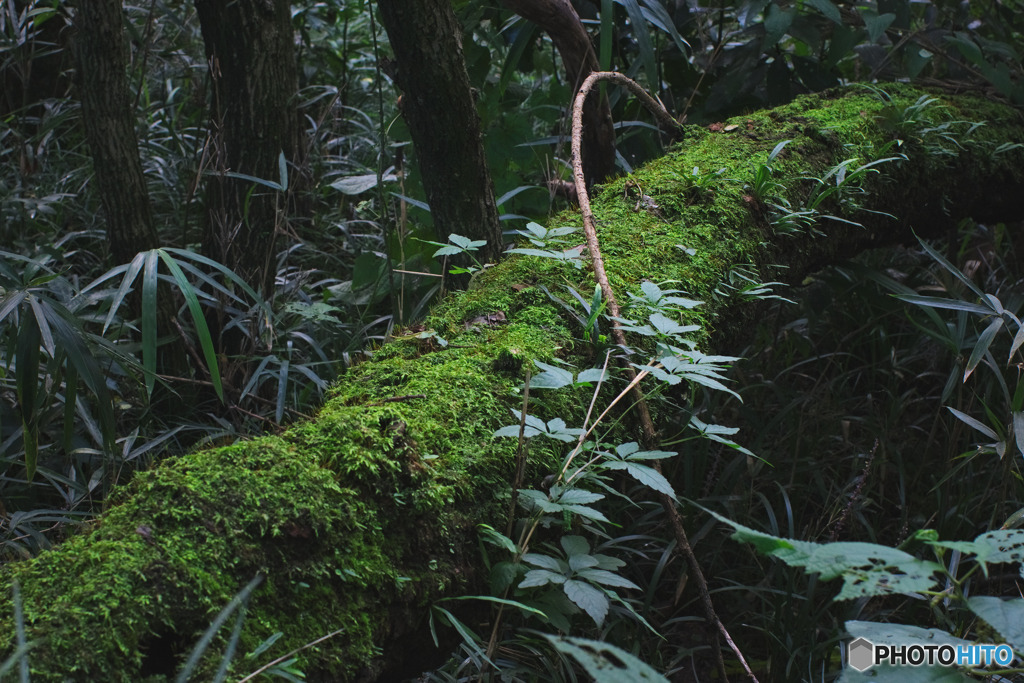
x,y
361,517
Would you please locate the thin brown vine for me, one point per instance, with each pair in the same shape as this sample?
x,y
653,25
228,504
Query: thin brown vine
x,y
647,424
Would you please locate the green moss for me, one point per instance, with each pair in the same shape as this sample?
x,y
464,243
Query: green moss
x,y
369,511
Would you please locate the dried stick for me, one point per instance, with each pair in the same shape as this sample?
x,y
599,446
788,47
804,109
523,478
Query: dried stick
x,y
647,424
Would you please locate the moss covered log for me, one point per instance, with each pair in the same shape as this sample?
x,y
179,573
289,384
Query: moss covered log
x,y
362,517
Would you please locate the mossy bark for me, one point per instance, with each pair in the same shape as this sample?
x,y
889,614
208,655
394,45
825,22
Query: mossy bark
x,y
361,517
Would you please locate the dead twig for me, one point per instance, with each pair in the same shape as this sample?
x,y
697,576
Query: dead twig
x,y
647,424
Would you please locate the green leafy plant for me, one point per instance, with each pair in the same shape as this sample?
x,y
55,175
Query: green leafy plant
x,y
871,570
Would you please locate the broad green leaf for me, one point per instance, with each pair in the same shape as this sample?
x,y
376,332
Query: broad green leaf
x,y
579,563
899,634
1004,615
647,476
607,578
502,576
574,545
876,24
577,497
1000,546
593,376
625,449
557,429
828,9
588,512
552,377
530,498
591,600
606,663
867,569
545,562
540,577
669,327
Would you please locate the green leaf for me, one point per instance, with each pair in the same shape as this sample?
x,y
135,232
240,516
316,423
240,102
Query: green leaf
x,y
981,347
594,375
867,569
578,497
579,563
970,421
1000,546
530,498
574,545
1005,616
876,24
202,330
282,170
496,538
647,476
501,601
828,9
541,577
669,327
588,512
899,634
643,40
951,304
591,600
606,663
544,562
358,184
606,578
552,377
968,282
149,317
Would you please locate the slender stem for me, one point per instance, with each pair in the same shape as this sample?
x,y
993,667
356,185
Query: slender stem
x,y
646,422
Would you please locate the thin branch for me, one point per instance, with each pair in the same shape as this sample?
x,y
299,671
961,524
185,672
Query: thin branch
x,y
649,432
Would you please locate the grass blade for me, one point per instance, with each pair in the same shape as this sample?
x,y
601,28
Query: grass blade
x,y
984,341
202,330
239,601
126,284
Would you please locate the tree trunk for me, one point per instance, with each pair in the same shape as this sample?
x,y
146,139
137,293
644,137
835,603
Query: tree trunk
x,y
438,106
560,21
98,47
361,517
251,54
